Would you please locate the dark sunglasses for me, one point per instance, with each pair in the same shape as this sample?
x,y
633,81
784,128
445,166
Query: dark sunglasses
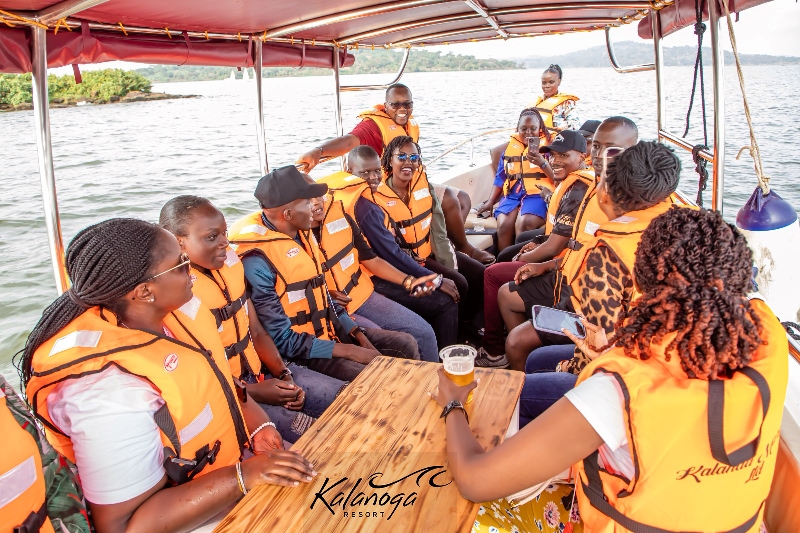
x,y
183,264
413,158
398,105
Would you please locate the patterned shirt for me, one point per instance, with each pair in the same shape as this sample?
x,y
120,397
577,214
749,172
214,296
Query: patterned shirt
x,y
565,116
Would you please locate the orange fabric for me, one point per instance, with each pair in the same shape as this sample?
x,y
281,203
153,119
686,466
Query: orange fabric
x,y
584,175
389,128
517,166
545,107
412,221
191,375
679,485
783,505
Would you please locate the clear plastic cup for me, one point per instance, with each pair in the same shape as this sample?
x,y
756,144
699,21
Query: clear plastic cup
x,y
478,227
459,364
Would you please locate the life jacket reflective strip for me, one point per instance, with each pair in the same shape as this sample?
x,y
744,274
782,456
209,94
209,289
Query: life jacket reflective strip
x,y
300,284
223,292
389,128
201,422
342,266
347,188
518,167
584,175
622,235
545,107
410,224
22,498
682,434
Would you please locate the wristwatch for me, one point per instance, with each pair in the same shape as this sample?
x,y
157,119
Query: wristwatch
x,y
455,404
285,372
356,331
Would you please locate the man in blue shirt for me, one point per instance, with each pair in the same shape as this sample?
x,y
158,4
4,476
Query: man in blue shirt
x,y
285,199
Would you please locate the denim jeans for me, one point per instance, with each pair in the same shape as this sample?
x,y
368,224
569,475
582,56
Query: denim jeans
x,y
381,312
320,391
438,309
543,385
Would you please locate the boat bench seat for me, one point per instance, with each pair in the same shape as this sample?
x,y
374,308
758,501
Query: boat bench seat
x,y
488,223
481,242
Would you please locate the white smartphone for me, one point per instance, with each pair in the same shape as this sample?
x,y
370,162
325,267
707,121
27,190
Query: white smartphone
x,y
554,320
431,285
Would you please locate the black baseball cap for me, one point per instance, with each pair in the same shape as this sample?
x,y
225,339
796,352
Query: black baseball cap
x,y
589,127
564,142
285,185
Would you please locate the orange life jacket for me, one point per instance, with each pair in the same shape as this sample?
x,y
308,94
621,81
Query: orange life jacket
x,y
410,224
622,235
347,188
22,500
703,451
343,269
584,175
545,107
300,284
223,292
201,421
518,167
389,128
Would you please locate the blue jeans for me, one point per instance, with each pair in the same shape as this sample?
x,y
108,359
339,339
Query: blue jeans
x,y
381,312
320,391
543,385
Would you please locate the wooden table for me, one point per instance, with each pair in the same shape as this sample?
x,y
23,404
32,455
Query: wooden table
x,y
383,425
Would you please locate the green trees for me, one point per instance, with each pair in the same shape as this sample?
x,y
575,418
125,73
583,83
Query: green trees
x,y
97,84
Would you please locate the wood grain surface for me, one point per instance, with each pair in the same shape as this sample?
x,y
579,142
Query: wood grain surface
x,y
383,428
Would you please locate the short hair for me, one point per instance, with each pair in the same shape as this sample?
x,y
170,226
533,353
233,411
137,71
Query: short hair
x,y
362,151
177,213
642,176
555,69
624,122
394,86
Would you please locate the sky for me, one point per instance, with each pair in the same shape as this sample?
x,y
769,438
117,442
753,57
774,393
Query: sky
x,y
772,28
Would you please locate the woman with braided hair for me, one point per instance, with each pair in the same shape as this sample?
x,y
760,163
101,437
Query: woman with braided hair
x,y
128,373
644,425
522,174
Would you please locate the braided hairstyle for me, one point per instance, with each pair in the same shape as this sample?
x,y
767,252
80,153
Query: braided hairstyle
x,y
177,213
555,69
693,270
533,112
104,262
394,144
642,176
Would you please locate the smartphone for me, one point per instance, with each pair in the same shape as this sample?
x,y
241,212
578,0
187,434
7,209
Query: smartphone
x,y
554,320
533,143
430,286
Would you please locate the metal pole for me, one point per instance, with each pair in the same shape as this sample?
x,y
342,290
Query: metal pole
x,y
658,60
337,95
263,163
41,116
718,65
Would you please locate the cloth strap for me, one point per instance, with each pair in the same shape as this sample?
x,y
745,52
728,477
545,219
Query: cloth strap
x,y
411,221
226,312
237,348
34,521
327,265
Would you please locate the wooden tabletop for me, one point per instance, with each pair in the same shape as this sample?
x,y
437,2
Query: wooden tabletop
x,y
385,431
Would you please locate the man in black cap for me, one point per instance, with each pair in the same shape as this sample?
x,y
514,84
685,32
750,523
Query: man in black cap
x,y
587,129
283,267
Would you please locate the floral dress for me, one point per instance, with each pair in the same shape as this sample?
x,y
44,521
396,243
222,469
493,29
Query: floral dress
x,y
555,510
66,507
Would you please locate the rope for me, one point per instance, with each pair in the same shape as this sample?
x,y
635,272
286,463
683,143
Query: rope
x,y
700,168
755,153
23,19
700,163
789,327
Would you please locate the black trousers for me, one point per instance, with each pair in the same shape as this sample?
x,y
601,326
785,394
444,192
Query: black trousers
x,y
469,281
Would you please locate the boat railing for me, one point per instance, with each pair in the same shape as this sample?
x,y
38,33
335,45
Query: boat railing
x,y
613,58
471,141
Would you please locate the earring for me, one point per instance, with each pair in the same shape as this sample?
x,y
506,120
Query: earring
x,y
151,300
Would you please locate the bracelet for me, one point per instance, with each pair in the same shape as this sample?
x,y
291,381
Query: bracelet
x,y
262,426
407,282
321,151
240,479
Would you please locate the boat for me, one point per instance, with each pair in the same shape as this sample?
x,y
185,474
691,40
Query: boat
x,y
38,34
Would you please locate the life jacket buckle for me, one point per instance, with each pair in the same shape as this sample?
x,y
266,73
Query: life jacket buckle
x,y
574,245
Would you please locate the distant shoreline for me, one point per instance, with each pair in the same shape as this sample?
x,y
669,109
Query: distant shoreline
x,y
133,96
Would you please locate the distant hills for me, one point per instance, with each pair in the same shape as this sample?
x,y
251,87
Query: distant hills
x,y
633,53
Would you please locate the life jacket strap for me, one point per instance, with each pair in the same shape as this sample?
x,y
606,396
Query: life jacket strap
x,y
181,470
226,312
413,246
34,521
594,492
329,264
313,283
303,317
353,281
411,221
237,348
574,245
716,416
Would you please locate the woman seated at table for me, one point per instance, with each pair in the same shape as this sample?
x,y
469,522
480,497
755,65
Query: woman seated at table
x,y
128,373
293,396
521,174
644,426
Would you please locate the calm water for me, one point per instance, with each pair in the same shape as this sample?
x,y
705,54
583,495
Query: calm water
x,y
128,159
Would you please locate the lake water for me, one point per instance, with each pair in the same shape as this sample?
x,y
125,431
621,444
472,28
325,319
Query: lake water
x,y
128,159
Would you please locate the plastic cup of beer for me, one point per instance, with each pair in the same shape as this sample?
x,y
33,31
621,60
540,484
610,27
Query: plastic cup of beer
x,y
459,364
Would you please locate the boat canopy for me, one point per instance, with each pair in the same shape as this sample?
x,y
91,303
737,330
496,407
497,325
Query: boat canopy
x,y
297,34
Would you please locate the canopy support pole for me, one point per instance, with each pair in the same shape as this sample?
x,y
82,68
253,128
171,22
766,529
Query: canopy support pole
x,y
263,163
718,63
41,116
337,95
658,62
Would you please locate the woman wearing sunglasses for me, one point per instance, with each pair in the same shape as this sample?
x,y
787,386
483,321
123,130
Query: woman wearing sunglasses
x,y
128,373
681,415
406,198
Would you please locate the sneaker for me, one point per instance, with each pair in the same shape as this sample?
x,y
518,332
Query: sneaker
x,y
486,360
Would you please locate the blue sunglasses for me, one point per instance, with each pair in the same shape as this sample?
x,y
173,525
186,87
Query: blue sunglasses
x,y
407,157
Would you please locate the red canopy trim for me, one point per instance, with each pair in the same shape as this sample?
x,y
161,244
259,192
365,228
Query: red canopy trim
x,y
682,14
